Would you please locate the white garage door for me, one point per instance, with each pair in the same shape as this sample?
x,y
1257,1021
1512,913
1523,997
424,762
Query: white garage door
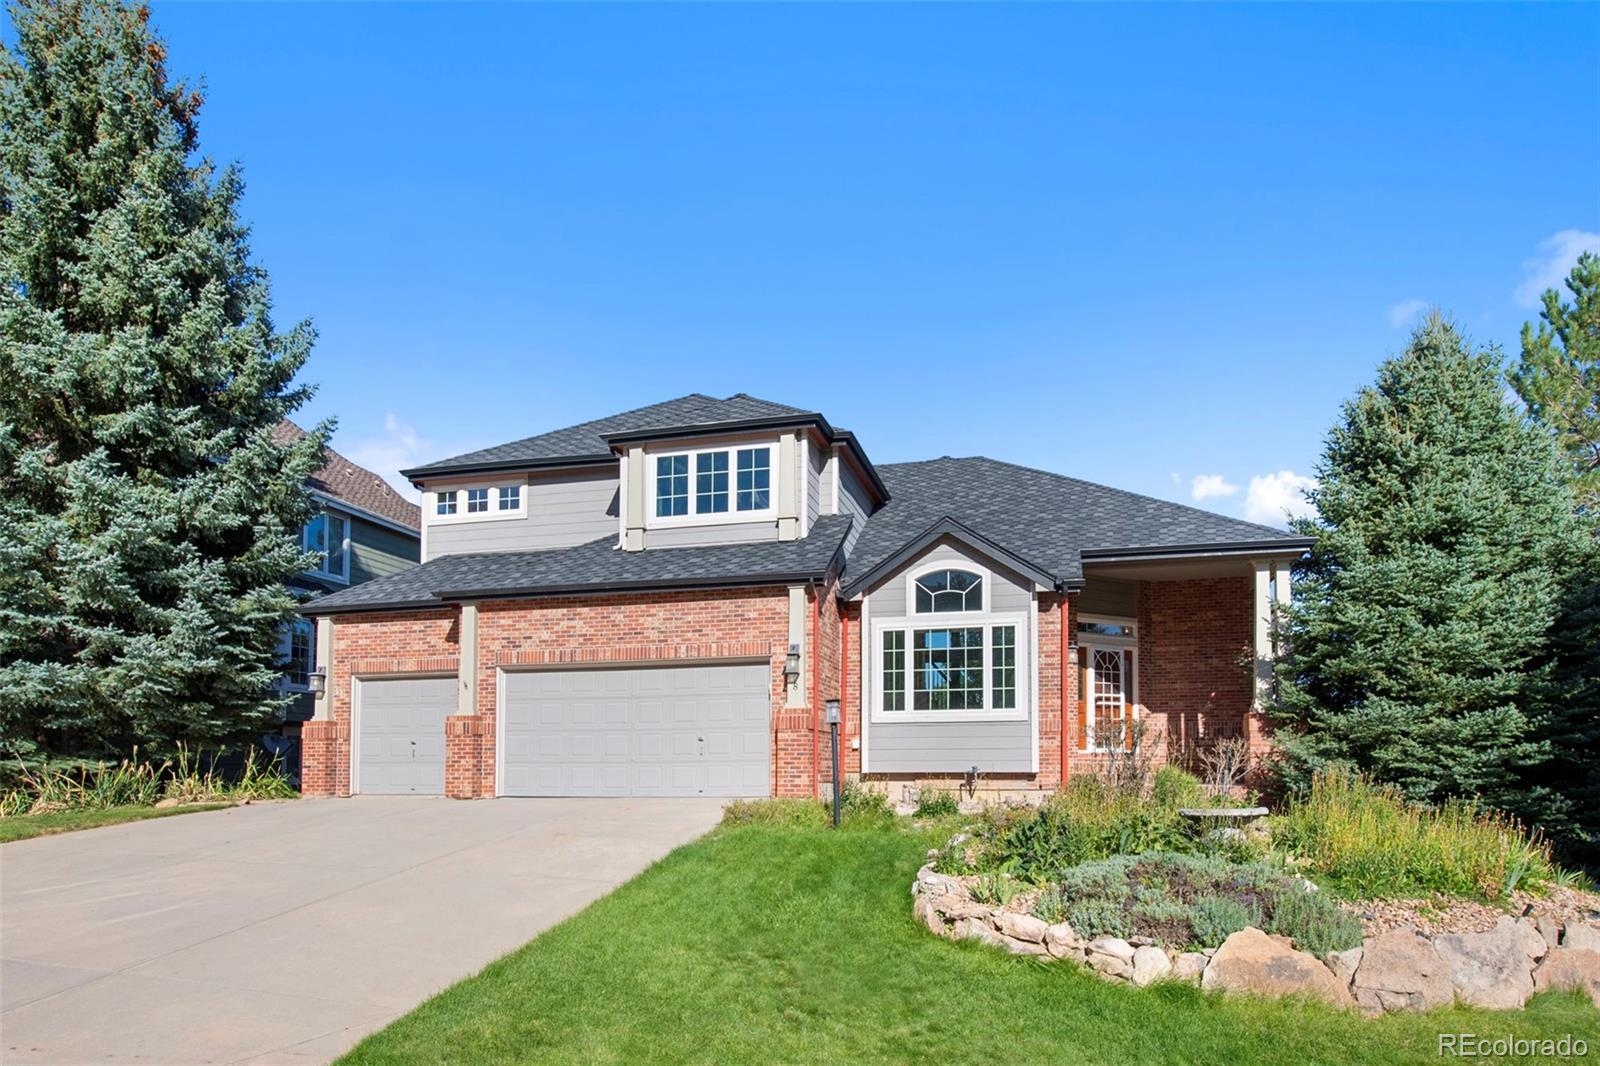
x,y
637,731
400,747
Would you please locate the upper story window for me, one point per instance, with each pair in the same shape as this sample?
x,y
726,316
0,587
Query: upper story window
x,y
477,501
510,497
949,590
731,482
328,534
445,503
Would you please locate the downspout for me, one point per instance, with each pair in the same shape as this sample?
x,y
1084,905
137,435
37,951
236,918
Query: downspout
x,y
816,690
1066,650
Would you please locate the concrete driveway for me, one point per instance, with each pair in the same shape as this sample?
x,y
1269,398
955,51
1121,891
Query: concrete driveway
x,y
283,932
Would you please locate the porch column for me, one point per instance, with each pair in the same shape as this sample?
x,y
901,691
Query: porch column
x,y
633,500
467,671
322,703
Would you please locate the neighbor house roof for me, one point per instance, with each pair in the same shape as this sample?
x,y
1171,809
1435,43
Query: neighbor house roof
x,y
355,485
1045,521
598,566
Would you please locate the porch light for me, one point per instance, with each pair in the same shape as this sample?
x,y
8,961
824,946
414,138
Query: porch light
x,y
319,681
791,665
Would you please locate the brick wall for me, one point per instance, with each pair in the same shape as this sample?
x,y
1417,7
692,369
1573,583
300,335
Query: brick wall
x,y
1195,641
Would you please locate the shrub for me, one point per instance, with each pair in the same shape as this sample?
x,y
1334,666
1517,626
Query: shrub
x,y
995,889
936,803
1366,841
1315,923
1215,918
864,808
1050,906
1099,917
1174,787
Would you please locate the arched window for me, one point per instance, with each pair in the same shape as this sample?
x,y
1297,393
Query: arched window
x,y
943,591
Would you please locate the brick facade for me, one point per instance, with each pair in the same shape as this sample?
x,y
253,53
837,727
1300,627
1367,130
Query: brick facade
x,y
1193,682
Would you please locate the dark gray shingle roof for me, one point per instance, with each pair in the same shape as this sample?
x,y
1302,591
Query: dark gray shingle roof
x,y
597,566
588,440
1046,519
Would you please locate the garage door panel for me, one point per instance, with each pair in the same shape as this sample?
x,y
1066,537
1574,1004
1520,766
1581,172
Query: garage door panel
x,y
401,743
666,731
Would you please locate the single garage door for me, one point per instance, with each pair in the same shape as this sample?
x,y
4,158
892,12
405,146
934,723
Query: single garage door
x,y
400,750
637,731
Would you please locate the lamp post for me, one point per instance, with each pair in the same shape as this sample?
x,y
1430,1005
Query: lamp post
x,y
832,709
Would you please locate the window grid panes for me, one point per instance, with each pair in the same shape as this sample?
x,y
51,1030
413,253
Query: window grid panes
x,y
1110,696
446,503
1106,629
711,483
894,670
754,479
1003,666
477,501
302,654
510,497
672,485
949,590
333,556
947,669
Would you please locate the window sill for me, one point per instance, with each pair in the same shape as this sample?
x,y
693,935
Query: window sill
x,y
715,518
919,717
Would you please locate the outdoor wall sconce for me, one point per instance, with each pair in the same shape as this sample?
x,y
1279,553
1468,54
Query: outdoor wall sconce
x,y
791,665
319,682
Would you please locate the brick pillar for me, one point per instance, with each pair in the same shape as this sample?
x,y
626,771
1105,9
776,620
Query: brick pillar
x,y
463,757
325,758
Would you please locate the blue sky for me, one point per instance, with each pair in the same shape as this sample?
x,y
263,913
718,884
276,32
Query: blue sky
x,y
1141,245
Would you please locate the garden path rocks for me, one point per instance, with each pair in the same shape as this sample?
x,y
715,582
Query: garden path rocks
x,y
1400,970
1251,961
1491,969
1565,967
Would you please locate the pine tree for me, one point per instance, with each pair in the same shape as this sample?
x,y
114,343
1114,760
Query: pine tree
x,y
1558,376
1423,628
147,519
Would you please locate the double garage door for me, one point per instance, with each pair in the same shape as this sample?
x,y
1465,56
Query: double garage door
x,y
634,731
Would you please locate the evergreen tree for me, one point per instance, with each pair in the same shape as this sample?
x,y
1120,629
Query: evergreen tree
x,y
147,519
1558,376
1445,543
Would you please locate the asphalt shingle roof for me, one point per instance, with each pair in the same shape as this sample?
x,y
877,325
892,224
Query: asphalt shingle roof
x,y
1047,519
597,566
354,484
588,439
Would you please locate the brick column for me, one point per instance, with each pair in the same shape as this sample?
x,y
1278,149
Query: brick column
x,y
463,757
325,758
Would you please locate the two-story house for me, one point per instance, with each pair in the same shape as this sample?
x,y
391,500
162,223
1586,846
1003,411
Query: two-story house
x,y
363,530
663,602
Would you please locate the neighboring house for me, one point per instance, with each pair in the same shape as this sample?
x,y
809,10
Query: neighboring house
x,y
364,530
663,602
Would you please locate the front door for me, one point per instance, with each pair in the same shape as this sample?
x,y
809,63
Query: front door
x,y
1105,696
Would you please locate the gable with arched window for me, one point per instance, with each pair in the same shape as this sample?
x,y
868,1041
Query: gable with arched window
x,y
947,590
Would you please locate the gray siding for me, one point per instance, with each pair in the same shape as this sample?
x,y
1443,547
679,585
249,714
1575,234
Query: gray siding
x,y
1008,591
853,501
949,747
1103,595
563,509
819,460
378,551
715,533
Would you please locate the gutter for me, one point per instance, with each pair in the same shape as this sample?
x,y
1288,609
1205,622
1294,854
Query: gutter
x,y
558,462
1280,546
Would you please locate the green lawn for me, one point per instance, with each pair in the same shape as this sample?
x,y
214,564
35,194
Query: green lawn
x,y
23,826
761,944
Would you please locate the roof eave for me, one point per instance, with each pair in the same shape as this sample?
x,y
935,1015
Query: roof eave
x,y
942,528
1282,546
418,473
732,425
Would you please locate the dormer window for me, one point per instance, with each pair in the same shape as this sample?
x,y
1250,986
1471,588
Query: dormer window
x,y
727,484
477,501
951,590
445,503
510,497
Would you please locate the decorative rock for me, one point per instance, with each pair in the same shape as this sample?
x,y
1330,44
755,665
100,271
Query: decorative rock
x,y
1062,942
1581,936
936,883
958,907
925,912
1113,946
163,804
1189,966
1489,969
1141,941
1109,966
1533,944
1149,964
1401,971
1251,961
974,929
1550,929
1021,926
1344,964
1570,968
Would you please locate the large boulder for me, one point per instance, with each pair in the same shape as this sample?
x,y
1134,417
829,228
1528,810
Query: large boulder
x,y
974,929
926,913
1566,967
1110,956
956,908
1251,961
1021,926
932,883
1400,970
1549,929
1581,936
1150,964
1489,969
1527,931
1189,966
1062,942
1344,963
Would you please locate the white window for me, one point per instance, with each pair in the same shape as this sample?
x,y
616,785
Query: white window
x,y
1108,683
950,658
297,652
477,501
723,484
445,503
328,534
510,497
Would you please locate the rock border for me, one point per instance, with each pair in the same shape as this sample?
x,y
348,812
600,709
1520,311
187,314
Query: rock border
x,y
1401,969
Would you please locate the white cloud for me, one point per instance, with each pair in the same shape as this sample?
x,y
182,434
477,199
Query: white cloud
x,y
1274,498
1549,269
400,446
1177,478
1406,311
1207,486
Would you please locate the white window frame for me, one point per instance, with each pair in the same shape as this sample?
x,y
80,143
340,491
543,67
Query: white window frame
x,y
286,653
430,510
1129,646
321,571
913,576
732,514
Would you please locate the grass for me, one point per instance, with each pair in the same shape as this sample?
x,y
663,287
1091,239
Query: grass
x,y
1365,841
771,943
24,826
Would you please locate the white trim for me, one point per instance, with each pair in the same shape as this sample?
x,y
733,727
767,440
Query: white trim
x,y
805,485
863,636
355,718
1033,642
320,572
1130,667
430,501
732,514
622,505
364,514
834,461
499,731
1106,620
984,575
969,620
